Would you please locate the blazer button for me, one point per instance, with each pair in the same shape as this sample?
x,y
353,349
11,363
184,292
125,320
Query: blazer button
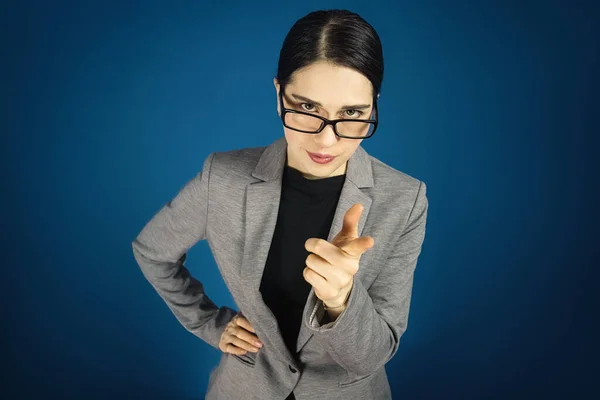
x,y
292,369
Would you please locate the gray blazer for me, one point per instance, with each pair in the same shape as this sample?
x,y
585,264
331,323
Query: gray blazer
x,y
233,203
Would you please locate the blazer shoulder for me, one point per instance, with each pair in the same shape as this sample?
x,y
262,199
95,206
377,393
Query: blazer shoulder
x,y
235,166
406,195
391,179
247,155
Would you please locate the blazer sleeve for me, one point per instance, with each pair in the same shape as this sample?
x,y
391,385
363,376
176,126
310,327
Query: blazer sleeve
x,y
366,335
161,249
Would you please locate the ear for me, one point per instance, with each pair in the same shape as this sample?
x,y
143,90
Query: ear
x,y
277,88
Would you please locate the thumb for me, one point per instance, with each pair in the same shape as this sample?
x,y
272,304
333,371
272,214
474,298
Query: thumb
x,y
359,245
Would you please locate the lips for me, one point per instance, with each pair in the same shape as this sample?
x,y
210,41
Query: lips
x,y
320,160
321,155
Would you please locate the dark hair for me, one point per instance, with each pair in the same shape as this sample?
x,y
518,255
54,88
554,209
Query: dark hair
x,y
338,36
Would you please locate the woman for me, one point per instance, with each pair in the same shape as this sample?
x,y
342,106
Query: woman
x,y
316,239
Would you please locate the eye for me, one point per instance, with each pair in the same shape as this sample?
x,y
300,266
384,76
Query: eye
x,y
353,113
307,106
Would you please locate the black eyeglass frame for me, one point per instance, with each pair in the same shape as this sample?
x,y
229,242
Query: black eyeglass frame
x,y
332,122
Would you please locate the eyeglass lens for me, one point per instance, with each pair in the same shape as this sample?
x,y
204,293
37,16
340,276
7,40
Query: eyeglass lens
x,y
307,123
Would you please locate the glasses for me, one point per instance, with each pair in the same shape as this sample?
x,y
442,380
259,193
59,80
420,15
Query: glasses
x,y
311,123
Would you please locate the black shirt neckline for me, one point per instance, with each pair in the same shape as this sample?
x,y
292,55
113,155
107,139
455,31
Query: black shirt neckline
x,y
294,177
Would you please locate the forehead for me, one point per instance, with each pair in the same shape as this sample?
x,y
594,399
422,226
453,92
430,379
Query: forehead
x,y
331,84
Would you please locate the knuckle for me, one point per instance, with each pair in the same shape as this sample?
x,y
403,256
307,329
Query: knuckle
x,y
318,246
244,336
245,345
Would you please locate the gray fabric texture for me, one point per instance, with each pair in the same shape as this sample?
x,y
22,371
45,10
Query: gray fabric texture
x,y
233,204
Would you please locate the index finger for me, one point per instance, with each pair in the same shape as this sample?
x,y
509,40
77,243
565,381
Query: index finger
x,y
326,250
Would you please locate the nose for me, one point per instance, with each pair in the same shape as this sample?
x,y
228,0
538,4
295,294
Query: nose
x,y
327,137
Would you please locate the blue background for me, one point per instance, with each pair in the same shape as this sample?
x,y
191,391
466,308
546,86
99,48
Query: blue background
x,y
112,107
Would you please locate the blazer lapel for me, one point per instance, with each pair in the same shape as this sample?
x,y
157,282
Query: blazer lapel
x,y
358,175
262,206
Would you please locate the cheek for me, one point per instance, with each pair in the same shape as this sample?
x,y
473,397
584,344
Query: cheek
x,y
294,139
351,148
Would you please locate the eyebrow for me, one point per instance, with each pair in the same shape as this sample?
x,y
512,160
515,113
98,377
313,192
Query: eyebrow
x,y
348,107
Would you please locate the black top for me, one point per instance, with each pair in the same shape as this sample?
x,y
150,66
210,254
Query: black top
x,y
306,209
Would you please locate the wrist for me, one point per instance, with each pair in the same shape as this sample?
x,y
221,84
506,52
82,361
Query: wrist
x,y
337,305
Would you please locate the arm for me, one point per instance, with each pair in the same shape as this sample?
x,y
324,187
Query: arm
x,y
366,334
161,248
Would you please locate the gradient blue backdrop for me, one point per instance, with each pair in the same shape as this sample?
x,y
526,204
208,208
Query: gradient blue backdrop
x,y
114,105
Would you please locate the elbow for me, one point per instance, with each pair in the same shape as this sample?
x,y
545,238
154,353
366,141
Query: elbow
x,y
375,360
142,257
136,245
137,251
139,256
143,253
